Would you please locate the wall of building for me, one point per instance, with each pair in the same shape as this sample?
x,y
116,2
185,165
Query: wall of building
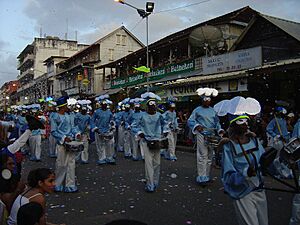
x,y
114,47
44,48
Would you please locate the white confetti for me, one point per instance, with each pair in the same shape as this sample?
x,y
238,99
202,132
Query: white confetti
x,y
173,175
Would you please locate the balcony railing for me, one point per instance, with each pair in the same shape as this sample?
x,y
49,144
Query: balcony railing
x,y
28,72
27,58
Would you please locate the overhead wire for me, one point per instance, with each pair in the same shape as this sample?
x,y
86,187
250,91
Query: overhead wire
x,y
182,7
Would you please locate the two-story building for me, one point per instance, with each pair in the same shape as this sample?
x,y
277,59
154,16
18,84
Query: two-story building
x,y
77,75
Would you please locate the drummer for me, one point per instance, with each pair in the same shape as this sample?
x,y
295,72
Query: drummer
x,y
83,121
64,131
204,122
103,125
295,218
171,120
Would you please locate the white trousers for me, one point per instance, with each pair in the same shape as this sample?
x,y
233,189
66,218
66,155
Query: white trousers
x,y
105,148
84,155
295,218
52,146
35,146
172,140
136,150
65,168
152,165
204,157
127,145
252,209
120,141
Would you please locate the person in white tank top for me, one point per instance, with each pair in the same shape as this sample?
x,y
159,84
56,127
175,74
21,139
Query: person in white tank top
x,y
40,182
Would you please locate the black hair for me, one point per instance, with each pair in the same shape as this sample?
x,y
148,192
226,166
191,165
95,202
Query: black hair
x,y
37,175
30,213
3,160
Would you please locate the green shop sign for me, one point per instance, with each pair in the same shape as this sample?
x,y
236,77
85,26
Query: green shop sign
x,y
155,74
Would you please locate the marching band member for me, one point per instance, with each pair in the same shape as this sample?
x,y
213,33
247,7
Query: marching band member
x,y
295,218
35,140
133,122
127,139
204,122
152,126
63,130
171,120
120,128
104,126
241,172
277,129
52,142
83,121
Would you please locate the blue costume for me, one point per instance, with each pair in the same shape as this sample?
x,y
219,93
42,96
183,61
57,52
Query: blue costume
x,y
83,122
250,202
153,128
296,131
120,131
127,137
103,123
62,126
206,118
171,121
133,125
52,141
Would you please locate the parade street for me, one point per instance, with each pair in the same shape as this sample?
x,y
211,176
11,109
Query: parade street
x,y
111,192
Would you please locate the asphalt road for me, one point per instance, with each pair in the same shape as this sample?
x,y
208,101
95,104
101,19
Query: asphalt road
x,y
111,192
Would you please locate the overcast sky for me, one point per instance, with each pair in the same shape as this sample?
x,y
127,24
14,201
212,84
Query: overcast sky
x,y
22,20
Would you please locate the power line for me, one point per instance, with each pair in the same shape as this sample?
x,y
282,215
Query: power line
x,y
182,7
136,24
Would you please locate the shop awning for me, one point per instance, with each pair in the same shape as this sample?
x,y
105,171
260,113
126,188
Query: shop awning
x,y
208,78
109,92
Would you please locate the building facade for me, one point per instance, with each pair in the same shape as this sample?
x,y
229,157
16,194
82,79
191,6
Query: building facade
x,y
77,75
32,68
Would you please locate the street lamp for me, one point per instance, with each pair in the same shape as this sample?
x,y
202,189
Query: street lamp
x,y
144,14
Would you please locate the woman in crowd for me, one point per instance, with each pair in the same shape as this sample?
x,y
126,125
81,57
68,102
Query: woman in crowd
x,y
40,182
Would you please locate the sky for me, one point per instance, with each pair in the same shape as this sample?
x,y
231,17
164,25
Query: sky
x,y
22,20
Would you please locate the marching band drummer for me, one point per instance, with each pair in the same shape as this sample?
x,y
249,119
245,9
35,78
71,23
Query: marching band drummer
x,y
103,124
63,130
241,170
133,126
171,120
127,135
295,218
83,122
152,128
204,122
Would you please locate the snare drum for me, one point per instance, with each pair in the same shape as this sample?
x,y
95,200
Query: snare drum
x,y
74,146
212,140
107,136
293,148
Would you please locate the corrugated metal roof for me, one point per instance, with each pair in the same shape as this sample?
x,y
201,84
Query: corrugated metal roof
x,y
290,27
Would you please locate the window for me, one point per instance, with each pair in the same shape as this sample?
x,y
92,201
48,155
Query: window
x,y
123,39
111,54
118,39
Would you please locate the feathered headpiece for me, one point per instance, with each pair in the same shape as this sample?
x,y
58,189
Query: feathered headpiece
x,y
238,108
103,99
207,92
